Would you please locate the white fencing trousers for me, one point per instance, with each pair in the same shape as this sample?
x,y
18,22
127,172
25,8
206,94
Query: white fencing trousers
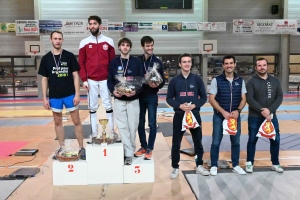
x,y
95,88
126,115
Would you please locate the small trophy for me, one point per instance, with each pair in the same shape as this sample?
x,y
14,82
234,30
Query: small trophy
x,y
103,122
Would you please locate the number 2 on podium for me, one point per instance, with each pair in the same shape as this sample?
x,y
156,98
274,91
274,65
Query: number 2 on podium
x,y
104,152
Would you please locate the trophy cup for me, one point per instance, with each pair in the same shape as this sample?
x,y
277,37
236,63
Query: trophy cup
x,y
103,122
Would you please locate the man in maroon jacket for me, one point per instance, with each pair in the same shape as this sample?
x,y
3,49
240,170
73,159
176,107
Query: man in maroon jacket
x,y
95,54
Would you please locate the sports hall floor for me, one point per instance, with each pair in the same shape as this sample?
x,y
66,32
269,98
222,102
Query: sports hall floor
x,y
41,135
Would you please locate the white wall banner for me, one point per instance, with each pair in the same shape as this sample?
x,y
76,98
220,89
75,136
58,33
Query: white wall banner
x,y
204,26
189,26
145,26
160,26
243,26
264,26
27,27
74,27
218,26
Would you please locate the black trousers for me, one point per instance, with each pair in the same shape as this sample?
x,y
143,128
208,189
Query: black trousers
x,y
177,138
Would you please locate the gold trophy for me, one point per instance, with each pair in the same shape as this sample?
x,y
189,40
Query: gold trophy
x,y
103,122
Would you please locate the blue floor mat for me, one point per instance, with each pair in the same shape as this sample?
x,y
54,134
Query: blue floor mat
x,y
287,142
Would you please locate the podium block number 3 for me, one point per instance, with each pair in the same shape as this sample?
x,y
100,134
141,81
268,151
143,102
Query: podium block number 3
x,y
137,169
70,168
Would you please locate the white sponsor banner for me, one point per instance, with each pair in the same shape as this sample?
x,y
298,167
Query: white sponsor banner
x,y
189,26
27,27
298,28
264,26
204,26
243,26
218,26
115,26
285,26
160,26
145,26
74,27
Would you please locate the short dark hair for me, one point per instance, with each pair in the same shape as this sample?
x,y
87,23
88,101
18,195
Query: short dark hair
x,y
125,40
56,32
259,59
229,57
146,39
184,55
96,18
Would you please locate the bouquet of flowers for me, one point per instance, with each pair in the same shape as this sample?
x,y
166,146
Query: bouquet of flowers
x,y
128,84
153,76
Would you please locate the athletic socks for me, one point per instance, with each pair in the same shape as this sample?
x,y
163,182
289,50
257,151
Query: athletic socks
x,y
110,117
94,124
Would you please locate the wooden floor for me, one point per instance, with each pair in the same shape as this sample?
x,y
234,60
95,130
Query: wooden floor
x,y
42,137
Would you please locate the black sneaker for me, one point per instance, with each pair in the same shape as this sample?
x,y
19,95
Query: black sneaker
x,y
82,154
56,152
128,161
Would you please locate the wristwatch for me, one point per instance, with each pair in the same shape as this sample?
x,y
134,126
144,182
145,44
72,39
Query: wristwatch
x,y
239,110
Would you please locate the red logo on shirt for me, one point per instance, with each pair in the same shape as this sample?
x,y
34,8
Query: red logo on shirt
x,y
182,94
105,46
191,94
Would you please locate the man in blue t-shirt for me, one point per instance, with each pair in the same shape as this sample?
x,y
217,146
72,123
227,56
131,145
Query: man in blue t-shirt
x,y
59,71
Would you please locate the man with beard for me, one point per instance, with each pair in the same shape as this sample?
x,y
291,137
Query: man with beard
x,y
59,71
227,97
95,54
126,105
148,99
264,96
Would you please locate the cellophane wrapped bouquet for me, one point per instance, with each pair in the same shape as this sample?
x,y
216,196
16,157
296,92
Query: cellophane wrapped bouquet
x,y
128,84
153,76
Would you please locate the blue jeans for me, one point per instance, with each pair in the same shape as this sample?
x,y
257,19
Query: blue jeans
x,y
177,138
217,136
149,102
253,126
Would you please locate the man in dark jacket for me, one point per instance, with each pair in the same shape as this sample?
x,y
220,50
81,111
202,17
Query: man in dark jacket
x,y
186,92
264,97
228,98
148,99
126,104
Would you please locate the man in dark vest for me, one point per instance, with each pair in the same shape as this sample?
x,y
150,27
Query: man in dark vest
x,y
228,98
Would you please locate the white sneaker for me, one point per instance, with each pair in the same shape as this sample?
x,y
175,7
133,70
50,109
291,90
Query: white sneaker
x,y
277,168
239,170
201,170
249,167
174,173
213,171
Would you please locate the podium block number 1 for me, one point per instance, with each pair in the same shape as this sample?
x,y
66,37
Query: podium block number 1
x,y
137,169
70,168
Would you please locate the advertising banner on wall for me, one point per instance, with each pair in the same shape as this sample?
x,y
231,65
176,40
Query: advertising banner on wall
x,y
74,27
174,26
243,26
27,27
298,28
130,26
145,26
115,26
160,26
218,26
203,26
47,26
189,26
7,27
264,26
285,26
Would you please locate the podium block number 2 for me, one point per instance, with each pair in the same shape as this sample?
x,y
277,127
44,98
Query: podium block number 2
x,y
70,168
137,169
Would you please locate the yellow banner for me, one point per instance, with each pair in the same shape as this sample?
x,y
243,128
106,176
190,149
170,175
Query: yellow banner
x,y
7,27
